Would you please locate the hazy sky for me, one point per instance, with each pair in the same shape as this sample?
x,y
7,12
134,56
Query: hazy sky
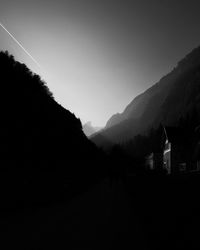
x,y
97,55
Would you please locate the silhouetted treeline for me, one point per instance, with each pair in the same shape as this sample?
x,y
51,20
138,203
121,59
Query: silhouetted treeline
x,y
137,149
42,145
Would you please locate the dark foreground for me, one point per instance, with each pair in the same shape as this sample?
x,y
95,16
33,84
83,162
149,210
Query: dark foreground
x,y
143,213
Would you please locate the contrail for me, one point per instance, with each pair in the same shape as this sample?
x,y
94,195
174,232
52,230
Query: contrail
x,y
20,45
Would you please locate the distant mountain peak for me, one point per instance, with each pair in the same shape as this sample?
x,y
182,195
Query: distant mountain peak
x,y
89,130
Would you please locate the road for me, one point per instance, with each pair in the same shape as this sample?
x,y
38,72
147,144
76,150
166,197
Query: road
x,y
105,217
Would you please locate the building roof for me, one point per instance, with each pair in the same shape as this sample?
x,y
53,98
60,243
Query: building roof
x,y
174,134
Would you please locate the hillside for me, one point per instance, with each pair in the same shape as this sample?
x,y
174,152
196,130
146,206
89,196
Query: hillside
x,y
175,95
32,122
43,150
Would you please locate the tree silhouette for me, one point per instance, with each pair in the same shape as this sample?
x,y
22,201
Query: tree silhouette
x,y
39,139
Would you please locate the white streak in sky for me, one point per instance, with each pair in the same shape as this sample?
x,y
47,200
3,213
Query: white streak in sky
x,y
20,45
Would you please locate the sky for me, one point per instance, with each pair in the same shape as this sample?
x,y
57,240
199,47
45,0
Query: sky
x,y
97,55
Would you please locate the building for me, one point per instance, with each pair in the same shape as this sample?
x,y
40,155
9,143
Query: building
x,y
169,154
154,161
149,161
176,151
181,150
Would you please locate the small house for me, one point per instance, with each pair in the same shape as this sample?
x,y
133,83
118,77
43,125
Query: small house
x,y
181,152
174,150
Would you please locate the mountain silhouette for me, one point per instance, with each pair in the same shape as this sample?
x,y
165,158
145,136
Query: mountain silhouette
x,y
42,146
88,129
32,122
176,95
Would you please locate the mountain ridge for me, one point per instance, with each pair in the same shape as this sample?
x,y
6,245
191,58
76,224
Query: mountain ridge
x,y
33,122
89,129
147,109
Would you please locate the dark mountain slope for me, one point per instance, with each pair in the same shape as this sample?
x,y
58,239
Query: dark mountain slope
x,y
44,154
183,100
175,95
32,122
